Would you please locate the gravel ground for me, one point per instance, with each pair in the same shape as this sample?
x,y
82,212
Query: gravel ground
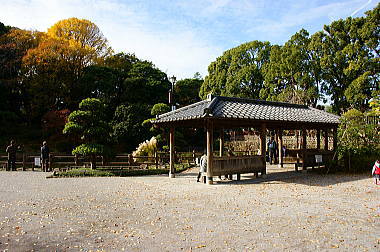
x,y
287,211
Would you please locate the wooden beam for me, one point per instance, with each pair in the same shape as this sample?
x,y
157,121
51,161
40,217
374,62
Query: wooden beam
x,y
221,142
210,131
326,133
171,144
280,144
318,139
263,136
304,147
297,139
335,138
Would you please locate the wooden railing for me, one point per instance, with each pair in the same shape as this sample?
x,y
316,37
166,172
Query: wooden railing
x,y
57,160
307,158
237,165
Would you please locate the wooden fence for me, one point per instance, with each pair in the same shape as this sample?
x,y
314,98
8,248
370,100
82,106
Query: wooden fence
x,y
26,161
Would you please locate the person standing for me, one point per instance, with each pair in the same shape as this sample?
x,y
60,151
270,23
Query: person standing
x,y
45,157
272,146
11,150
376,172
202,166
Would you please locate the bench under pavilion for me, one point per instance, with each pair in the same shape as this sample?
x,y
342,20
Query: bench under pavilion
x,y
219,113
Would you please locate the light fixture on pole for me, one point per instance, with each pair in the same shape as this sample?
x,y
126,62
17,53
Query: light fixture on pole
x,y
171,92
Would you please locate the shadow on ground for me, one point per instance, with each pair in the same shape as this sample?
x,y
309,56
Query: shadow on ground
x,y
316,177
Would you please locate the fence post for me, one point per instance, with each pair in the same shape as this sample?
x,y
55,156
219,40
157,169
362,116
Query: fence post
x,y
23,161
194,158
76,160
51,157
175,157
103,161
156,159
130,159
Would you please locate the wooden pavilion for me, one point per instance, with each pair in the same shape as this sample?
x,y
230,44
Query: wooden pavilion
x,y
220,113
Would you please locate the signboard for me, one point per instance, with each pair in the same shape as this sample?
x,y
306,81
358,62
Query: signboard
x,y
318,159
37,161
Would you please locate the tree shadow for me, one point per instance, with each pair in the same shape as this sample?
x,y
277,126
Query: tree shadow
x,y
311,178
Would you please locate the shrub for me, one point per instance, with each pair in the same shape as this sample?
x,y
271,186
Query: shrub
x,y
147,148
359,142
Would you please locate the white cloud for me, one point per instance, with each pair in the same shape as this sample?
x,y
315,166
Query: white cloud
x,y
181,54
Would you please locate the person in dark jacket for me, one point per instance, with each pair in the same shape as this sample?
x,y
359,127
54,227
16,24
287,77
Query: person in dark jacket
x,y
45,157
272,148
11,150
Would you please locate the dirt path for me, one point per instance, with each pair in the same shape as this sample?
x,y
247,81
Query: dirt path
x,y
287,211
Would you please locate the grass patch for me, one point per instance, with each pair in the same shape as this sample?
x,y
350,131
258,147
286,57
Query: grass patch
x,y
87,172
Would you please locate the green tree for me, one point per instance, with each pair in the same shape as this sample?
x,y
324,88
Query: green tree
x,y
145,84
101,82
186,91
107,81
4,29
238,72
159,108
290,71
349,61
127,125
88,123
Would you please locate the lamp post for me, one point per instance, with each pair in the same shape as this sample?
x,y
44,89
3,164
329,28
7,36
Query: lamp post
x,y
171,92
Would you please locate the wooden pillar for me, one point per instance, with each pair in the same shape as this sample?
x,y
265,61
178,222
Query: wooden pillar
x,y
280,144
297,139
221,143
335,138
263,137
51,160
304,146
210,132
326,131
171,145
318,139
23,161
76,160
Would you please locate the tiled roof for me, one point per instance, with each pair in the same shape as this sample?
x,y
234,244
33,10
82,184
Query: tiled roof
x,y
258,110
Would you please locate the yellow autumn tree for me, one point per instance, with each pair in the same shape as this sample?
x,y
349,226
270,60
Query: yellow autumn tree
x,y
83,36
53,69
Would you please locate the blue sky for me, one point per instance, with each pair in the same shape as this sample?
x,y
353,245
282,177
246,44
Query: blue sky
x,y
182,37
